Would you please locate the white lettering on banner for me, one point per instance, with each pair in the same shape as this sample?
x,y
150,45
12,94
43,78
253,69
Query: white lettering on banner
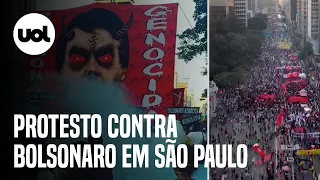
x,y
147,70
314,134
183,110
191,119
151,100
151,12
160,39
159,52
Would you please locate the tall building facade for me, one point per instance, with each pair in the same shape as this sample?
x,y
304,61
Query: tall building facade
x,y
313,23
287,9
241,8
294,6
220,8
302,17
253,7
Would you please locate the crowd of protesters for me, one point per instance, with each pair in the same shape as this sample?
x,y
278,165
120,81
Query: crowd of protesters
x,y
266,110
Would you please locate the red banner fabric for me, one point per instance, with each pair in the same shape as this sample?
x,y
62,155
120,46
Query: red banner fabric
x,y
178,96
299,81
299,130
279,118
133,46
266,97
298,99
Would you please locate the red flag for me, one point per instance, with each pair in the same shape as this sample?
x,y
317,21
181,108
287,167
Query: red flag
x,y
279,118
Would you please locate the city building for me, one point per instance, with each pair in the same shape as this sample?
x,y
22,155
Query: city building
x,y
302,17
250,14
313,23
287,9
253,7
241,8
220,8
294,6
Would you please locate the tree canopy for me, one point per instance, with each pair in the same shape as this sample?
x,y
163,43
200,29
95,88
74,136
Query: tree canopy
x,y
259,22
303,46
306,50
233,46
194,40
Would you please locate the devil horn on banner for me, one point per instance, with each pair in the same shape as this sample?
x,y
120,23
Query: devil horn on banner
x,y
68,33
125,27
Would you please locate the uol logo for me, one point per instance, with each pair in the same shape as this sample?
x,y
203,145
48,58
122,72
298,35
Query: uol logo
x,y
34,34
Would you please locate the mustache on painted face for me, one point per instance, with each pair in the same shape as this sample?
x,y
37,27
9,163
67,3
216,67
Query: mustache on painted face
x,y
93,75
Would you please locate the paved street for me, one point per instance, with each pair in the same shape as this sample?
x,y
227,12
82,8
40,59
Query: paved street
x,y
239,131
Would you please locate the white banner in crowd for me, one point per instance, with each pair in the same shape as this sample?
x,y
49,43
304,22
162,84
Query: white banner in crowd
x,y
290,147
314,134
290,159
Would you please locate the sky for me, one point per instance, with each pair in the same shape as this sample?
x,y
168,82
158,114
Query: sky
x,y
192,70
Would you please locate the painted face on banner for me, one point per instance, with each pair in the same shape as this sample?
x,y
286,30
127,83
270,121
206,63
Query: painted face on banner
x,y
94,55
129,46
89,47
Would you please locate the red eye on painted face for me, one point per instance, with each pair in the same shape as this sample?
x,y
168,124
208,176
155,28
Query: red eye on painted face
x,y
76,59
105,58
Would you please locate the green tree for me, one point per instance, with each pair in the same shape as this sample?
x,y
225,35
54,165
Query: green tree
x,y
258,33
194,40
259,22
235,26
231,46
254,43
308,49
204,94
229,79
296,40
305,51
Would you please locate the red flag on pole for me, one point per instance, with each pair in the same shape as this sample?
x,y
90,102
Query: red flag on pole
x,y
279,118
